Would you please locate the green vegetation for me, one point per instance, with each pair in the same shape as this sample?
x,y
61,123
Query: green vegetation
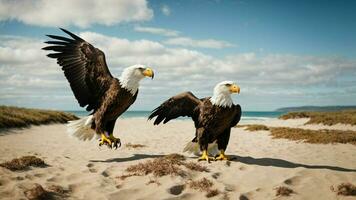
x,y
327,118
23,163
14,117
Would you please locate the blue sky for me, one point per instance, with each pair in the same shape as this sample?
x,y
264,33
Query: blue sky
x,y
281,53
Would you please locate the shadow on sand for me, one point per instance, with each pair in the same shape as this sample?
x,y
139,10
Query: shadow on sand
x,y
275,162
132,158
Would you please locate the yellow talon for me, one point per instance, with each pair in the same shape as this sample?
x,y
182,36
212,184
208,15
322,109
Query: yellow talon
x,y
204,156
105,140
222,156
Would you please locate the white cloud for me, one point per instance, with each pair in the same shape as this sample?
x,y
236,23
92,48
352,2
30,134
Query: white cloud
x,y
165,10
157,31
82,13
27,76
189,42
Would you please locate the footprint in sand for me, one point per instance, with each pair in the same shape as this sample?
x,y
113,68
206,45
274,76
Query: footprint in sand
x,y
293,180
4,182
91,168
105,173
229,188
39,175
176,189
216,175
243,197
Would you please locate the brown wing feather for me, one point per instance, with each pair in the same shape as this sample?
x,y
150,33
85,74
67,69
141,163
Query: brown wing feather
x,y
84,67
183,104
237,116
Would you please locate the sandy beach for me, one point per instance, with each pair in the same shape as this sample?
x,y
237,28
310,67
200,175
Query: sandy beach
x,y
259,163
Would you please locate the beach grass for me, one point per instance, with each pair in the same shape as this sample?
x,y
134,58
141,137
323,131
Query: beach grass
x,y
283,191
134,146
166,165
202,185
327,118
23,163
15,117
345,189
254,127
323,136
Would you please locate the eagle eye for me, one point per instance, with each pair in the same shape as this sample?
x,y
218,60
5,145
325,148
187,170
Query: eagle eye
x,y
228,84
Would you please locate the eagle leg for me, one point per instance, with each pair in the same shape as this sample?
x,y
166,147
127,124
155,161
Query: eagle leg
x,y
105,140
116,142
222,156
205,156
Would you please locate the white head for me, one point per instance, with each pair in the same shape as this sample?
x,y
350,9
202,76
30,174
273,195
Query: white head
x,y
131,76
222,93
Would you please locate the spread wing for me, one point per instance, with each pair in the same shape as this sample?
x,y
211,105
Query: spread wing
x,y
183,104
84,67
237,115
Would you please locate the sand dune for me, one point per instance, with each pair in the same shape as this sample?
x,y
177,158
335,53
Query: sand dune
x,y
259,165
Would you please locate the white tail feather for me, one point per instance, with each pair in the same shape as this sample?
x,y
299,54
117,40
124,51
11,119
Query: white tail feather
x,y
193,147
81,128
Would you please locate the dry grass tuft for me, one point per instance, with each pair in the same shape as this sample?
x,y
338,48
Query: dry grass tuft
x,y
283,191
212,193
324,136
134,146
58,189
345,189
196,167
327,118
167,165
254,127
174,157
14,117
202,185
36,193
23,163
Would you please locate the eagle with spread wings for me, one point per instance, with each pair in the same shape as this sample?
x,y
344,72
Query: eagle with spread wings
x,y
94,87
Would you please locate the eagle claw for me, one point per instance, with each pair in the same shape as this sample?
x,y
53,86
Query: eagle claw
x,y
110,142
116,144
222,156
206,157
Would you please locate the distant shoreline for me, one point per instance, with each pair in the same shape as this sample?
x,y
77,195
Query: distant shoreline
x,y
315,108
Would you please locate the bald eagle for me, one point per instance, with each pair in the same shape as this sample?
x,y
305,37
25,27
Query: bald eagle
x,y
213,117
94,87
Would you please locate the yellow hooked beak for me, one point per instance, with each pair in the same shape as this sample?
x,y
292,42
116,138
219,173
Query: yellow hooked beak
x,y
148,72
234,88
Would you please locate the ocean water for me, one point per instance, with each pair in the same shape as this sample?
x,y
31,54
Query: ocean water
x,y
246,116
